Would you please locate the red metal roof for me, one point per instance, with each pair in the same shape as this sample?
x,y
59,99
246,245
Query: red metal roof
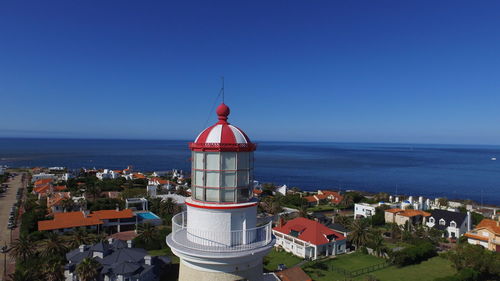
x,y
309,231
222,136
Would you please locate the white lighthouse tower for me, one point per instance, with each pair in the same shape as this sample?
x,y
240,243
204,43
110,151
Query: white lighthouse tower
x,y
218,237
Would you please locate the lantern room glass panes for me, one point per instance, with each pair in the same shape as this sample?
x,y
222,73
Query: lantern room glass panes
x,y
212,195
213,161
212,179
198,160
228,160
228,179
228,195
222,176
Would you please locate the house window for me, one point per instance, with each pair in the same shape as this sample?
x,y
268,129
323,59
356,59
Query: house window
x,y
431,220
453,224
442,222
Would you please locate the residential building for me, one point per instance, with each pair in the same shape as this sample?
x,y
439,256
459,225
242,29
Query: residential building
x,y
40,176
454,224
163,184
401,217
339,228
55,201
309,239
364,210
281,189
119,261
333,197
486,234
108,174
111,220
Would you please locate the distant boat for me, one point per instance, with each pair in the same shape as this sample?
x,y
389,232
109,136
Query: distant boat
x,y
493,158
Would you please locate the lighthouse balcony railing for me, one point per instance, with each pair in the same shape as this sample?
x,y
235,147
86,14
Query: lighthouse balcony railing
x,y
219,241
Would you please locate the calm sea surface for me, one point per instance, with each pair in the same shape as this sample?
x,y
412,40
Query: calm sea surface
x,y
454,171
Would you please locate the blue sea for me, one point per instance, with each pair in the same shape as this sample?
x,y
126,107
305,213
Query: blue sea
x,y
454,171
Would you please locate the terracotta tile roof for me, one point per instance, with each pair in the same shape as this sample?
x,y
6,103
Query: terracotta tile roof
x,y
309,231
113,214
117,171
321,196
413,213
60,187
57,198
293,274
336,198
68,220
257,191
42,181
492,225
42,189
138,176
311,199
478,237
78,219
394,210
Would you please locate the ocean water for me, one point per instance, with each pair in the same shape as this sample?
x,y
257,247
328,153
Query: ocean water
x,y
454,171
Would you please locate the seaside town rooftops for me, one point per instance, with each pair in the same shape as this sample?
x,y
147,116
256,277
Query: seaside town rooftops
x,y
414,213
492,225
68,220
79,219
394,210
43,181
42,188
309,231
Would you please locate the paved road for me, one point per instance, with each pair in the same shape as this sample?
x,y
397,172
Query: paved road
x,y
6,202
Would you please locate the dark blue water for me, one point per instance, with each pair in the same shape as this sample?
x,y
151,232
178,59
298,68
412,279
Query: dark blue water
x,y
454,171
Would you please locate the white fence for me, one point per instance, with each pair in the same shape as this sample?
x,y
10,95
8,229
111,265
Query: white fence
x,y
219,241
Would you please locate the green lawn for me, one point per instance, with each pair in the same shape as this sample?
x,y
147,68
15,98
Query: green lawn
x,y
274,258
320,270
428,270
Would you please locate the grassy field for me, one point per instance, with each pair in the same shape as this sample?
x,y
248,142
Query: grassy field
x,y
320,208
274,258
429,270
320,270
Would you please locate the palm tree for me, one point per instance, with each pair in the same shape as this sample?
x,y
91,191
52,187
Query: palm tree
x,y
53,271
147,233
53,246
78,237
377,243
168,207
347,201
359,233
22,275
22,248
88,269
303,211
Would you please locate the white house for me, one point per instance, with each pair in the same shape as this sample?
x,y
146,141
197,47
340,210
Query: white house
x,y
107,174
309,239
364,210
454,224
163,184
41,176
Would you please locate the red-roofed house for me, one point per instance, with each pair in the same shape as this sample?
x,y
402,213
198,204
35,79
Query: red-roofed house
x,y
332,196
166,184
55,200
113,219
309,239
486,234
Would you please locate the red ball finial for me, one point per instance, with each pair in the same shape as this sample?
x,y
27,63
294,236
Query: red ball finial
x,y
223,111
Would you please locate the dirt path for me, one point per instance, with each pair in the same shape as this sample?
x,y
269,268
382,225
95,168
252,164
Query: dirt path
x,y
6,202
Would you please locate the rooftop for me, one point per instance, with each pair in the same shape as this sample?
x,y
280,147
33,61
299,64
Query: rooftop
x,y
309,231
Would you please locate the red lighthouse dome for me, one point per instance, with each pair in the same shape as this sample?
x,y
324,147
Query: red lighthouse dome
x,y
222,136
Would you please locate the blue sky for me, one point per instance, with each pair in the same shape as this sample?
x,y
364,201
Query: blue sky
x,y
363,71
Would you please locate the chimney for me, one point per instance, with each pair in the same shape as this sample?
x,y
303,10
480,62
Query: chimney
x,y
469,221
82,248
147,260
129,243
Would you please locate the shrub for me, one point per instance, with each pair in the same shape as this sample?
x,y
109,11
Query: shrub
x,y
414,254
